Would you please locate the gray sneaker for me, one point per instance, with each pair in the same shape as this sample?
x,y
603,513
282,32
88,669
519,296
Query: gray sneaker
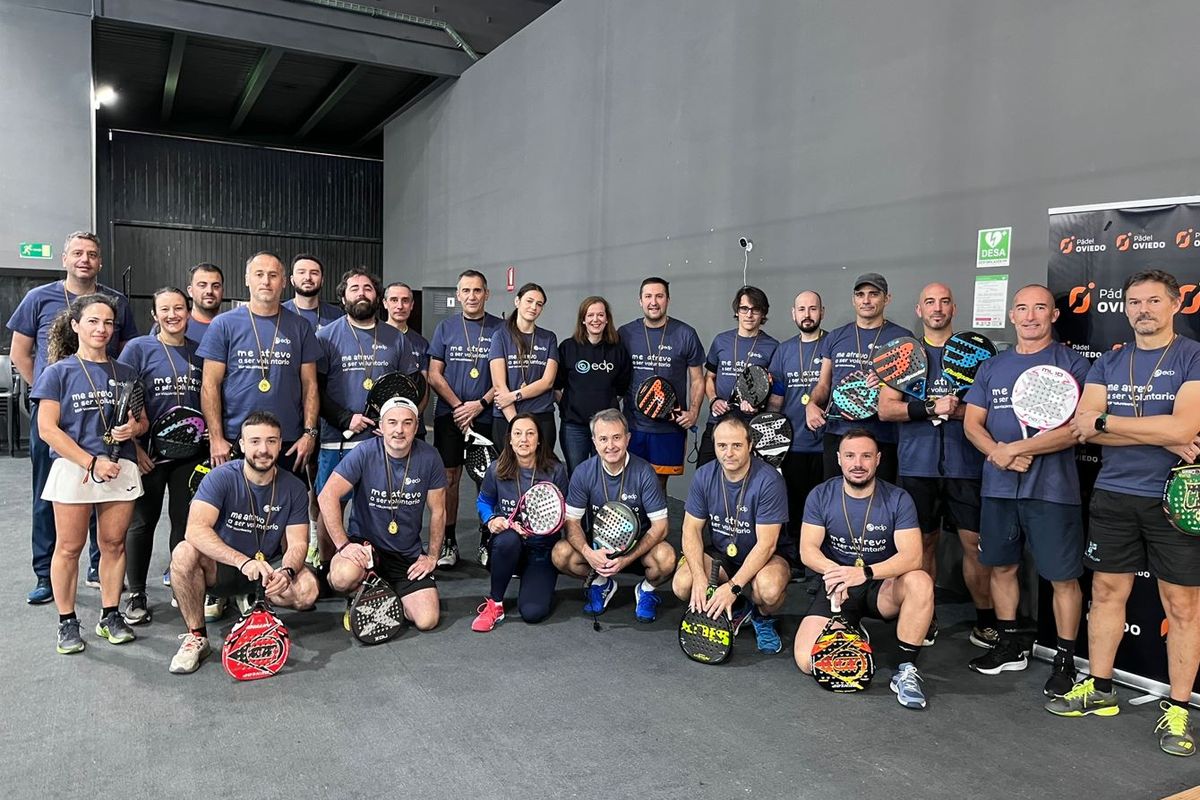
x,y
137,609
69,639
114,628
192,650
1083,699
1175,735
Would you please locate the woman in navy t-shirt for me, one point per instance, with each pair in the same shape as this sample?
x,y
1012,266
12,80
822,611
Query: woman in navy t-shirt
x,y
93,461
522,463
524,363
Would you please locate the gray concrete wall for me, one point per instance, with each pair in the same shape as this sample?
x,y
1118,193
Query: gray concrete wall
x,y
611,140
46,178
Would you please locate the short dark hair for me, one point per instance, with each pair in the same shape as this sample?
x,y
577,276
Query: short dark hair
x,y
737,422
655,279
261,418
758,299
472,273
1153,276
169,290
88,235
355,272
395,284
859,433
206,266
306,257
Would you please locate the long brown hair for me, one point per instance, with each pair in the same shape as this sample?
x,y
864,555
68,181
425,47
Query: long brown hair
x,y
610,332
515,332
544,460
61,341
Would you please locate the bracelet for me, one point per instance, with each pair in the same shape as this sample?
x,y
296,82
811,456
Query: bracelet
x,y
92,470
291,572
917,410
243,566
343,547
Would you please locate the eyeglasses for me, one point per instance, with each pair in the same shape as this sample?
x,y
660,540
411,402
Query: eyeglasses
x,y
749,310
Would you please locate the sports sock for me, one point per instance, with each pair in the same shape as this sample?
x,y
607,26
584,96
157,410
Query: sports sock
x,y
647,586
451,534
985,617
599,580
1008,630
64,617
202,631
905,652
1065,649
1178,703
1102,684
104,612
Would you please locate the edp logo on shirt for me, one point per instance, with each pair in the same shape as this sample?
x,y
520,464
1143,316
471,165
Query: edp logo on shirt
x,y
583,367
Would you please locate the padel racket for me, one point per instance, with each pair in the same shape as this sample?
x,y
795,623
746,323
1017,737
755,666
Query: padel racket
x,y
178,433
420,386
903,364
753,385
376,613
771,436
540,511
842,660
961,356
703,639
478,455
656,398
205,467
393,384
258,645
854,398
1181,498
941,386
122,398
1044,398
615,528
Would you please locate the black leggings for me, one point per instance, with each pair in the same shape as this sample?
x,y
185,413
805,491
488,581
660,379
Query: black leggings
x,y
139,540
511,556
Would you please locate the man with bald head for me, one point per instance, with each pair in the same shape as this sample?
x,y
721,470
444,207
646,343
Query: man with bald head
x,y
939,467
795,369
261,357
1030,491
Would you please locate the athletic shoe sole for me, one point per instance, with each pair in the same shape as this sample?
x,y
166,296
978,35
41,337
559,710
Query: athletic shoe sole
x,y
981,643
1102,711
104,633
1007,666
70,651
896,691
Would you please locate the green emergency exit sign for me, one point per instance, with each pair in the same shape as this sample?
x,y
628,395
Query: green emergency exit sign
x,y
36,250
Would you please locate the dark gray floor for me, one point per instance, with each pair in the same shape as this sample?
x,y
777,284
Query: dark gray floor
x,y
552,710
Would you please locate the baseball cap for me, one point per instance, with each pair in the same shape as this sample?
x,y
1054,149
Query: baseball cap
x,y
872,279
399,402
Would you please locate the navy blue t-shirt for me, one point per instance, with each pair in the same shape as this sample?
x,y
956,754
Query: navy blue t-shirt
x,y
795,369
463,345
1142,469
414,349
636,486
241,519
734,509
195,330
729,355
937,451
349,357
501,496
324,314
541,348
851,348
891,509
1052,477
83,405
666,352
170,374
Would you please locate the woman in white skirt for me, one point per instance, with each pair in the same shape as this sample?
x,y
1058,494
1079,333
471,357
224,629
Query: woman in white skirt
x,y
77,419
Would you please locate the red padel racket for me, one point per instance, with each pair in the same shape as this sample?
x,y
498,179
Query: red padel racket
x,y
258,645
842,660
902,364
656,398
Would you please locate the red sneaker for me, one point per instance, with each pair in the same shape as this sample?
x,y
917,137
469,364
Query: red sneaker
x,y
491,614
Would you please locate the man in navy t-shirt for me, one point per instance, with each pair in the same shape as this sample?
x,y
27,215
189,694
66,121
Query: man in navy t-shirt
x,y
394,477
398,305
206,289
742,502
30,327
860,534
246,516
939,468
1145,423
1030,491
308,276
848,349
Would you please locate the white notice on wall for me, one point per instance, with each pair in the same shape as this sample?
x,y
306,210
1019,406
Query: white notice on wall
x,y
991,298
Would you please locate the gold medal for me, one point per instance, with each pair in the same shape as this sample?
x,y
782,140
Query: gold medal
x,y
108,439
368,384
731,550
393,527
858,562
260,556
474,372
804,398
264,385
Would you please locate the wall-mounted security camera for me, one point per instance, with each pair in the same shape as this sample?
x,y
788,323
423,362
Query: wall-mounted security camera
x,y
746,244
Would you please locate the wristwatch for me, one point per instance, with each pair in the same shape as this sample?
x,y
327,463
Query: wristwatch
x,y
1102,422
313,432
735,589
930,405
870,573
519,396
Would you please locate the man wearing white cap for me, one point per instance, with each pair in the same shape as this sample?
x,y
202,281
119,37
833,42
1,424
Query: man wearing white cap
x,y
393,479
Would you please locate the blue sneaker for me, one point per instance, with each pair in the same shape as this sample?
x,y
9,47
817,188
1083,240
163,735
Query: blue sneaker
x,y
647,604
764,631
906,683
598,596
40,594
167,577
739,613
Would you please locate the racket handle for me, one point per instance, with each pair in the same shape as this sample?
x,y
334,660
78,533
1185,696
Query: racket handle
x,y
835,605
370,557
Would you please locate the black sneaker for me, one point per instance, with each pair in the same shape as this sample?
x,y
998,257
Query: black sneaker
x,y
1062,677
137,609
1007,656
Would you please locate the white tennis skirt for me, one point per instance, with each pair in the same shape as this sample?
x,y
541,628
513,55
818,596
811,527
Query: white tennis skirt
x,y
70,483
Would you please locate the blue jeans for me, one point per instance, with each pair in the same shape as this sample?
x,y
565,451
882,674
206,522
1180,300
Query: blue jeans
x,y
44,532
576,441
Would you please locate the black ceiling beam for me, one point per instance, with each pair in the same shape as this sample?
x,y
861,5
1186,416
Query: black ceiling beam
x,y
332,99
420,89
256,81
171,82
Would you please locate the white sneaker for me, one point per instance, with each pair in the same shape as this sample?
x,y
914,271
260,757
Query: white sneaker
x,y
245,602
193,650
214,607
449,556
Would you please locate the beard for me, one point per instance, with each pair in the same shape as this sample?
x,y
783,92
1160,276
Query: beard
x,y
363,310
261,470
809,325
307,292
860,484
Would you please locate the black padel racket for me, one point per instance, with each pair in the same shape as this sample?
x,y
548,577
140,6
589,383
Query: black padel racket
x,y
703,639
615,528
854,398
842,660
1181,498
902,364
540,511
387,387
178,433
258,645
478,455
656,398
771,435
122,400
420,386
961,356
205,467
754,386
376,613
1044,397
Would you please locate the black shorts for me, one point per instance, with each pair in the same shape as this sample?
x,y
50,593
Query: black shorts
x,y
862,601
230,582
1131,534
448,440
1053,531
945,500
393,568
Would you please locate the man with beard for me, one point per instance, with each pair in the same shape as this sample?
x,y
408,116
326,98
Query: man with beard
x,y
248,525
308,275
30,326
939,468
355,352
206,290
795,369
398,303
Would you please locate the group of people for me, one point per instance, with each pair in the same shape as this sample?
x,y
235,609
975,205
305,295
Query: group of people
x,y
858,503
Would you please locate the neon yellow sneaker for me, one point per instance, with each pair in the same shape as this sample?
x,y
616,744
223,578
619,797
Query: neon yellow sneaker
x,y
1175,735
1084,699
